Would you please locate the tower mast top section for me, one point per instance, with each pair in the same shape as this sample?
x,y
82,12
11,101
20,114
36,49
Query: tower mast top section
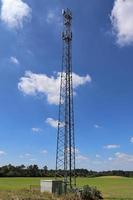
x,y
67,21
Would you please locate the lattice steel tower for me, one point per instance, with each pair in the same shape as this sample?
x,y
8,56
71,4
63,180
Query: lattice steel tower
x,y
65,155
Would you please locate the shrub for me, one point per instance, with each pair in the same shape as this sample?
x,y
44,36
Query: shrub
x,y
90,193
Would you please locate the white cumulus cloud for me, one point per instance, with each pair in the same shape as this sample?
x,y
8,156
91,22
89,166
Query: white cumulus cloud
x,y
54,123
122,21
14,13
111,146
33,84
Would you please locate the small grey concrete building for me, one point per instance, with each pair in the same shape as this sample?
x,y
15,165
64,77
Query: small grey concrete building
x,y
52,186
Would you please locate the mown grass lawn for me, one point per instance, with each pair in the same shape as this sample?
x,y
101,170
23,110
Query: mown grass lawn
x,y
111,187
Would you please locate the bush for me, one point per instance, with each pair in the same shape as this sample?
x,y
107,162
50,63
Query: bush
x,y
90,193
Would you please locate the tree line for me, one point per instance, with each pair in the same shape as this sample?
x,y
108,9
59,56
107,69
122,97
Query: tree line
x,y
35,171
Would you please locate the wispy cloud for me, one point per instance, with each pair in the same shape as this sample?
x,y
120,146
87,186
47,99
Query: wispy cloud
x,y
14,60
54,17
44,151
122,21
2,153
81,158
124,157
97,126
33,159
98,156
25,155
110,158
131,140
36,130
14,13
33,84
111,146
72,150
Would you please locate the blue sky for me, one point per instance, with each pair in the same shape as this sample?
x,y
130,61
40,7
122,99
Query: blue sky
x,y
30,62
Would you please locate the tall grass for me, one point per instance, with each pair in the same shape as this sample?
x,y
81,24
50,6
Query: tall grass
x,y
24,195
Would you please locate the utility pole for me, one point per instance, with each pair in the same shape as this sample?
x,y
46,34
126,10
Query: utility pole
x,y
65,154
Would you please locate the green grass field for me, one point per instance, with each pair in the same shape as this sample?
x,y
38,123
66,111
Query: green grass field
x,y
111,187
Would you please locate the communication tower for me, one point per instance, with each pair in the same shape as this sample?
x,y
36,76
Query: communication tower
x,y
65,154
